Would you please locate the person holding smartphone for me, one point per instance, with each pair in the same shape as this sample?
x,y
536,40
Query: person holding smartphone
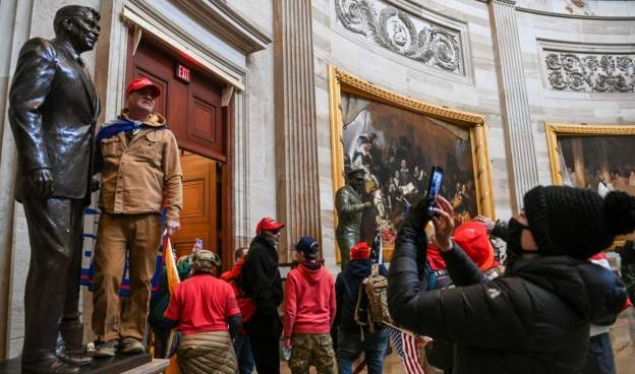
x,y
534,319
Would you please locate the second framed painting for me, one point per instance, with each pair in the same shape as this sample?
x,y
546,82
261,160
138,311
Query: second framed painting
x,y
397,140
598,157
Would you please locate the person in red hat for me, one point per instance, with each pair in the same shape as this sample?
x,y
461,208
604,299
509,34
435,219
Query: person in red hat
x,y
138,157
353,338
260,280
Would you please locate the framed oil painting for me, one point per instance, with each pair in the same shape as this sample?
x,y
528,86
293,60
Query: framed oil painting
x,y
397,140
597,157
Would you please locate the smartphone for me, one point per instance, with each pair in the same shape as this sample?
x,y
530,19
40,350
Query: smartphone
x,y
434,187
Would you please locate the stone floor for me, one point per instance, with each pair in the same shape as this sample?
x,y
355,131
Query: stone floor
x,y
624,359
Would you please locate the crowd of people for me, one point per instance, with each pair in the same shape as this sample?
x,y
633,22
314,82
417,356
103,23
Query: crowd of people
x,y
546,310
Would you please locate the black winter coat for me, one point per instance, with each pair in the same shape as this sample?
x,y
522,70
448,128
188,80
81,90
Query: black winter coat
x,y
347,288
260,279
535,319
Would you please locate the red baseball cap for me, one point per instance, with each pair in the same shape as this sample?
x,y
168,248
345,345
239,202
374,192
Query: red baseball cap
x,y
143,82
360,251
268,224
472,238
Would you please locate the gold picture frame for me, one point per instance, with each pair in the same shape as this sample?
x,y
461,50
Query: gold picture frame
x,y
597,155
342,83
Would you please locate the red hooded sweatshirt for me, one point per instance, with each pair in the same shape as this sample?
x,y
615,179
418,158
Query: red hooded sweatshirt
x,y
246,304
309,301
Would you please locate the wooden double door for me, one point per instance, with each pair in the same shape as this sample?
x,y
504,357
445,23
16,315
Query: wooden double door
x,y
196,116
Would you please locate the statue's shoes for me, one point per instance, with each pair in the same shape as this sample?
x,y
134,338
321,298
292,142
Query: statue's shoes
x,y
50,366
78,359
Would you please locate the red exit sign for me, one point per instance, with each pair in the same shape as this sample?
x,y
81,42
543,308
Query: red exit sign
x,y
182,73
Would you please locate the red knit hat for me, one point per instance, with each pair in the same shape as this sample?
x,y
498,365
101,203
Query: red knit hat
x,y
268,224
472,238
360,251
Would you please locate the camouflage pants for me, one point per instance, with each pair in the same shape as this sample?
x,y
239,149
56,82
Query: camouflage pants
x,y
312,349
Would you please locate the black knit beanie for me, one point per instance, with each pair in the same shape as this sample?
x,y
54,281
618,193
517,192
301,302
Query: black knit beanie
x,y
577,222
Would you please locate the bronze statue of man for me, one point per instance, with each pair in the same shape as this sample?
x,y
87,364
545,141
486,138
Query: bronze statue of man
x,y
53,111
350,207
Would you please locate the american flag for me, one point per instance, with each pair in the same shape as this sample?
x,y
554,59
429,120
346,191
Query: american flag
x,y
406,346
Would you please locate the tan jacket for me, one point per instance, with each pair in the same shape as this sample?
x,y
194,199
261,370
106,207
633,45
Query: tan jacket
x,y
141,173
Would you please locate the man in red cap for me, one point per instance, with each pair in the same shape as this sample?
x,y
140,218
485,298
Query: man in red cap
x,y
260,279
141,182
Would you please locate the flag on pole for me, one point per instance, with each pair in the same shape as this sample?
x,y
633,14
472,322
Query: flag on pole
x,y
173,281
406,345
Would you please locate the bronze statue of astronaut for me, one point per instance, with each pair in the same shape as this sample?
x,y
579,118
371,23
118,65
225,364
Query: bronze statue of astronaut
x,y
350,208
53,111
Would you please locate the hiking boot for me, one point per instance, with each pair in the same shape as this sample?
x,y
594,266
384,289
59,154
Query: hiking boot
x,y
132,346
106,350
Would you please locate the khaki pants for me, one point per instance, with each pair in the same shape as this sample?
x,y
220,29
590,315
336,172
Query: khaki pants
x,y
137,236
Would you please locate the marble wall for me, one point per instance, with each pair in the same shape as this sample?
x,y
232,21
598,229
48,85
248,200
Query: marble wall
x,y
542,35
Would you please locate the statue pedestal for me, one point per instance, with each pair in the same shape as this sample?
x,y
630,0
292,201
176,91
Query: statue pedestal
x,y
129,364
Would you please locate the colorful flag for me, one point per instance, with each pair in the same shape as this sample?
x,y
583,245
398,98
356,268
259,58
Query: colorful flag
x,y
173,281
406,345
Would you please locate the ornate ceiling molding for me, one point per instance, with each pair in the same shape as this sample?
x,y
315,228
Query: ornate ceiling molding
x,y
413,37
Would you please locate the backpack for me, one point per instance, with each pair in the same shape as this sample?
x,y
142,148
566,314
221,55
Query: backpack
x,y
375,287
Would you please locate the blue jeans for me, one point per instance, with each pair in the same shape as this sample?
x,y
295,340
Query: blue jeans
x,y
599,356
350,345
243,354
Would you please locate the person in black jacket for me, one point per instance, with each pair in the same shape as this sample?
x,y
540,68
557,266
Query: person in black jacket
x,y
535,318
260,279
353,339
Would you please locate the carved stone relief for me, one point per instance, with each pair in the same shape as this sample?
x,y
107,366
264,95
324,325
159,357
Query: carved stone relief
x,y
402,33
585,72
578,7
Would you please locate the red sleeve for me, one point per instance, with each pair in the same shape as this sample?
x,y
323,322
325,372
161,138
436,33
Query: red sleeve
x,y
333,303
231,305
174,308
290,304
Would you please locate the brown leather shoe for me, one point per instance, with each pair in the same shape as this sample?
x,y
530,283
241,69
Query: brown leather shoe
x,y
49,366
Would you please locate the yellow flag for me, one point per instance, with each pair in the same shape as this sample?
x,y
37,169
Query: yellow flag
x,y
173,281
170,266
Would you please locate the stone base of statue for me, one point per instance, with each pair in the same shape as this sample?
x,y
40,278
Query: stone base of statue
x,y
129,364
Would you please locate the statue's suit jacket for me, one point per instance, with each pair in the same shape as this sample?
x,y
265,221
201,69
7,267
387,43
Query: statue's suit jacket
x,y
53,112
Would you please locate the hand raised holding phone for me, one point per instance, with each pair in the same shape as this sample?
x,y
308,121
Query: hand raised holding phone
x,y
434,187
443,220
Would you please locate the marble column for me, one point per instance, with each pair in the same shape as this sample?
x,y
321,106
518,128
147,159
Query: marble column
x,y
296,134
521,153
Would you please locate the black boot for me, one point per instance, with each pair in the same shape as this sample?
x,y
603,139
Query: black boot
x,y
74,352
49,365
